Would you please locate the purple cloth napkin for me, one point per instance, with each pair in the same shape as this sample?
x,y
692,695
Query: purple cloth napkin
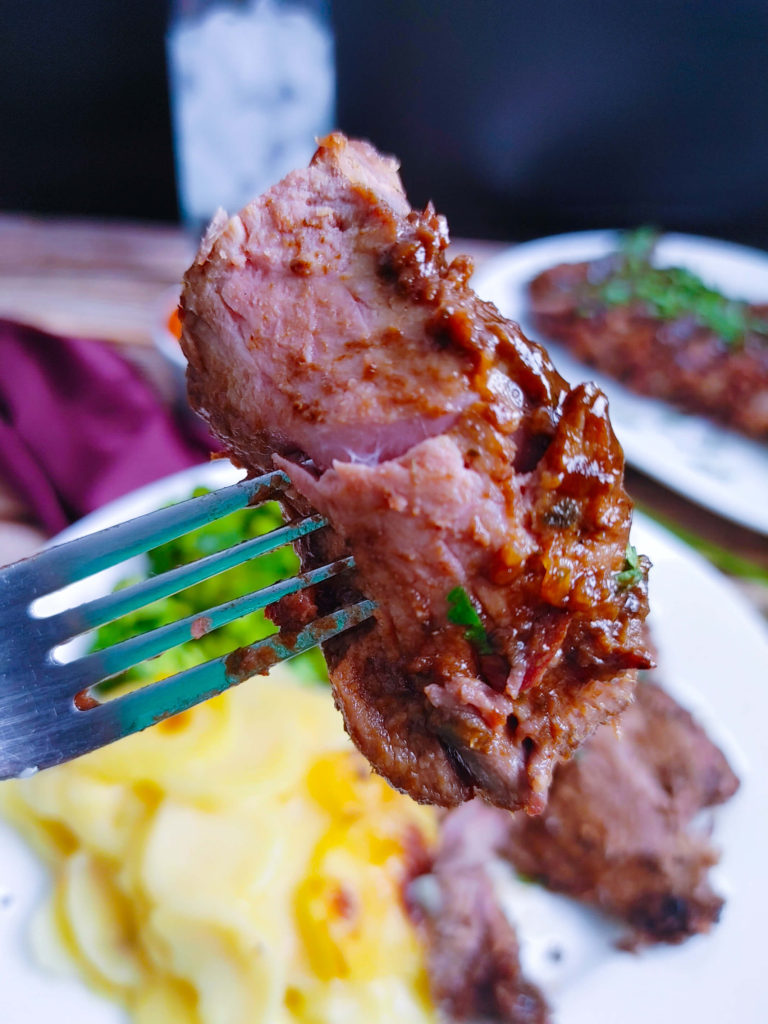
x,y
79,425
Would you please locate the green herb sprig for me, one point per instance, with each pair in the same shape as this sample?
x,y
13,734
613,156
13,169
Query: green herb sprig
x,y
461,612
632,572
671,293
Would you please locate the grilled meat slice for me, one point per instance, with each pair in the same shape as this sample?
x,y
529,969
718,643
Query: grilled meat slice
x,y
617,832
473,955
680,360
481,497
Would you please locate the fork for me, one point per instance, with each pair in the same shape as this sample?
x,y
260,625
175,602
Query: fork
x,y
51,711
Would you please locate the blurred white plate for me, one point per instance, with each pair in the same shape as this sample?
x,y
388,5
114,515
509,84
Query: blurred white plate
x,y
714,654
710,465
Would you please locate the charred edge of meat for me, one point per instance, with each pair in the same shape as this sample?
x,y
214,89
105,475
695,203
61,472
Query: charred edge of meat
x,y
667,917
617,831
472,951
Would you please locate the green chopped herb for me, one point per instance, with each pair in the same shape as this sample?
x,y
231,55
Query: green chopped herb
x,y
242,579
461,612
616,292
671,293
637,246
632,572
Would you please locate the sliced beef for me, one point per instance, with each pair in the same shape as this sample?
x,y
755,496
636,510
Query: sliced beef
x,y
473,956
617,831
679,360
328,334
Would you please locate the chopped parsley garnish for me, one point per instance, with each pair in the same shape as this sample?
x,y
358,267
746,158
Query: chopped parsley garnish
x,y
637,246
632,573
461,612
671,293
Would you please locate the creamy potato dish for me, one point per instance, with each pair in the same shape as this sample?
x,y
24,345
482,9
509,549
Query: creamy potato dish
x,y
237,864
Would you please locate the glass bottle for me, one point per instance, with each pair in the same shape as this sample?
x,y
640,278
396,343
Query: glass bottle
x,y
252,86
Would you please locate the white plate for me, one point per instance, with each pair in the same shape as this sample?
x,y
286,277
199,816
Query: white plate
x,y
714,654
713,466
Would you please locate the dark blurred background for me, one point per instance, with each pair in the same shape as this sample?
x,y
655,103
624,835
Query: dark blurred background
x,y
516,118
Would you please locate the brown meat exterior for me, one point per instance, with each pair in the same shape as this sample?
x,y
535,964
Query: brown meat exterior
x,y
679,361
325,323
473,956
617,832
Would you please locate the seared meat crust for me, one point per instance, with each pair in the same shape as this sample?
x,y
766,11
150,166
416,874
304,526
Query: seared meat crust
x,y
617,832
679,361
325,323
473,955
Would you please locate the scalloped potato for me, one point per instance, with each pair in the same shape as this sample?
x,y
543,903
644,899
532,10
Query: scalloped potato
x,y
237,864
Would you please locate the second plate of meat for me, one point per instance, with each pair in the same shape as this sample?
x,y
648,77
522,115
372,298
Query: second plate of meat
x,y
717,467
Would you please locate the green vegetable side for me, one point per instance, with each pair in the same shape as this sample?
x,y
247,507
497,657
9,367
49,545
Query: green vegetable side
x,y
671,293
253,575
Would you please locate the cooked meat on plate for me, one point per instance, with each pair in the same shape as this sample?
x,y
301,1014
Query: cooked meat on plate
x,y
617,831
661,331
482,498
473,954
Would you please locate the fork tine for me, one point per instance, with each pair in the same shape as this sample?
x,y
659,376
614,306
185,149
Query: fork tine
x,y
72,621
102,664
141,708
66,732
58,566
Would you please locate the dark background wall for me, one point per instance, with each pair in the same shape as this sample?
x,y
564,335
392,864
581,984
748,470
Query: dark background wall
x,y
517,118
84,122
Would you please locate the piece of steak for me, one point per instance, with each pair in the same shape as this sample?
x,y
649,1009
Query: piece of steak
x,y
481,497
678,358
473,956
617,831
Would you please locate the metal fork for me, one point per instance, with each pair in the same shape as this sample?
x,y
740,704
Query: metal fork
x,y
50,711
